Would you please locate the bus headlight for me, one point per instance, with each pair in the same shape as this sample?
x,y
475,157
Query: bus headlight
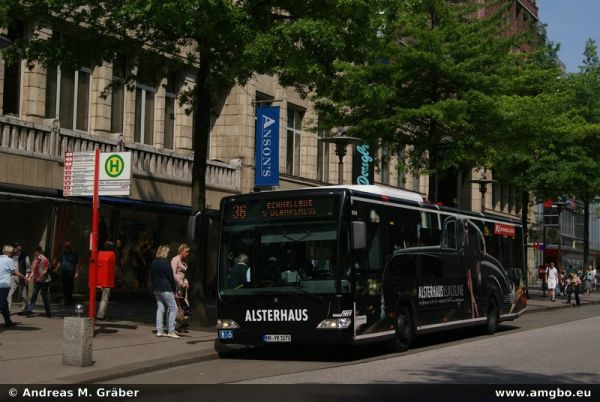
x,y
335,323
227,324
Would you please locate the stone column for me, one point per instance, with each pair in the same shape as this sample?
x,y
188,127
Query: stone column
x,y
78,333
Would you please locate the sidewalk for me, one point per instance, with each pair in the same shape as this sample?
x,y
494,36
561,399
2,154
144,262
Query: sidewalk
x,y
125,344
537,302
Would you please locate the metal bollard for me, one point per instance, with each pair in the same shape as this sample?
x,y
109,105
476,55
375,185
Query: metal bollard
x,y
78,333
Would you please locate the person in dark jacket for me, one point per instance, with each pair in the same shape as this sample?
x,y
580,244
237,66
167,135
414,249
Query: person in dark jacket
x,y
163,283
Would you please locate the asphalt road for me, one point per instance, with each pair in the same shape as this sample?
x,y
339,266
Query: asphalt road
x,y
559,346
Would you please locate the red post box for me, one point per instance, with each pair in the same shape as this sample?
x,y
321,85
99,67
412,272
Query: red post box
x,y
106,269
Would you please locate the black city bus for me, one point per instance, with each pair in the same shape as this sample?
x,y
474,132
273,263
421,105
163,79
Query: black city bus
x,y
360,264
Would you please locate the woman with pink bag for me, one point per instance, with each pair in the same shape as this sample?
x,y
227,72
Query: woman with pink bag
x,y
179,266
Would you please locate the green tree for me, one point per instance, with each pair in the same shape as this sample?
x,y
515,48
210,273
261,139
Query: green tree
x,y
430,85
568,164
224,41
527,112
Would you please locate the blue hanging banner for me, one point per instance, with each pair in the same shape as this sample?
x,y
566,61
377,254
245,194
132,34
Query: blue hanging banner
x,y
267,146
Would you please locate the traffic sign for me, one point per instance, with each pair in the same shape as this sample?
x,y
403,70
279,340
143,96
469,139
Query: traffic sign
x,y
78,178
114,174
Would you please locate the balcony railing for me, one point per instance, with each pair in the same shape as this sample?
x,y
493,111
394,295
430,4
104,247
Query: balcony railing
x,y
50,143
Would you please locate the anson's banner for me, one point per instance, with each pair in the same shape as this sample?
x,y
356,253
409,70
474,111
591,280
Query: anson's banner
x,y
363,170
267,146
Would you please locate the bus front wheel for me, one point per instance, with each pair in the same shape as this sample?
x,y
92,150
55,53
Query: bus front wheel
x,y
404,330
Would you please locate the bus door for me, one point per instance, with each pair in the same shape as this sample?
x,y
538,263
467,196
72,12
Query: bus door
x,y
367,273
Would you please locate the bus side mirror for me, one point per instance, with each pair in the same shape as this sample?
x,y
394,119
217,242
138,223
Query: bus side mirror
x,y
192,226
359,235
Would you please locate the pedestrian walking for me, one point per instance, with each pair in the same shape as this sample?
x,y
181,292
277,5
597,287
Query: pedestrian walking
x,y
542,276
563,283
163,284
589,278
14,284
24,267
147,257
68,266
41,281
594,273
136,261
552,280
574,284
8,269
179,266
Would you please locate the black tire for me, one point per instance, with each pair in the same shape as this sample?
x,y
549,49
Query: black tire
x,y
404,330
491,324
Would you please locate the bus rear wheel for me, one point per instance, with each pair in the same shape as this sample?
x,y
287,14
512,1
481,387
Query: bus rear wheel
x,y
404,330
491,323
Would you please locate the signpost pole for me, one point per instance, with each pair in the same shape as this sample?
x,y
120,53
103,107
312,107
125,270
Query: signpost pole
x,y
82,177
94,241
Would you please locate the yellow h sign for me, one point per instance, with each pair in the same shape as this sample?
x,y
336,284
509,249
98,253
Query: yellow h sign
x,y
114,166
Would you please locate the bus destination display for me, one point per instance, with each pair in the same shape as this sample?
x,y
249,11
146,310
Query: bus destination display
x,y
289,208
280,209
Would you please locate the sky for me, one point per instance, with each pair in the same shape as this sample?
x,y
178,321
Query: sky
x,y
571,23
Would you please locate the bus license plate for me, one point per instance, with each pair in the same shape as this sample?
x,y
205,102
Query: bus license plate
x,y
225,334
277,338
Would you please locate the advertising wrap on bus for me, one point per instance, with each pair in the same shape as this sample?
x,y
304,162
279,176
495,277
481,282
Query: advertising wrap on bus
x,y
360,264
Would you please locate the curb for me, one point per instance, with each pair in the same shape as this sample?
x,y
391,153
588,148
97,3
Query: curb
x,y
132,369
561,305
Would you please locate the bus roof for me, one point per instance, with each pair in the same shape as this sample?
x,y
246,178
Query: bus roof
x,y
375,190
383,191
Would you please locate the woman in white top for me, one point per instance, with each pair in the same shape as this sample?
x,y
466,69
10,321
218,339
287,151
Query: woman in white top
x,y
552,279
179,266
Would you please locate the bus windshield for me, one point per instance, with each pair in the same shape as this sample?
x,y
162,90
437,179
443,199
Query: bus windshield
x,y
278,257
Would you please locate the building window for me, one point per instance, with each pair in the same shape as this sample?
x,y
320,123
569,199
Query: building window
x,y
495,195
294,127
416,181
117,104
518,203
11,95
511,198
322,157
503,197
170,96
68,94
144,114
145,94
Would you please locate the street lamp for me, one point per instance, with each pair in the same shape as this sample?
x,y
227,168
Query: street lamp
x,y
341,141
483,182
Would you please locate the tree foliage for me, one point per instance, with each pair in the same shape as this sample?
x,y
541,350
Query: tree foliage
x,y
431,85
567,163
224,41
